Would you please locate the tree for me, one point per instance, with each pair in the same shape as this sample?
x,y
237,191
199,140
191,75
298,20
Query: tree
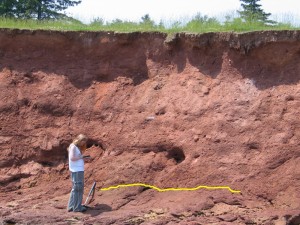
x,y
203,19
39,9
146,20
97,22
252,12
7,8
200,22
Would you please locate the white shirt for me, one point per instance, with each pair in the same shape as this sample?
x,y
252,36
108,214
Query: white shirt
x,y
76,163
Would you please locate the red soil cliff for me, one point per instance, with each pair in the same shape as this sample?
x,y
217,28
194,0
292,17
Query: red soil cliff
x,y
182,110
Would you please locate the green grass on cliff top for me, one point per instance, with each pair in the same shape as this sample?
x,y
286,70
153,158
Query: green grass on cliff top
x,y
198,25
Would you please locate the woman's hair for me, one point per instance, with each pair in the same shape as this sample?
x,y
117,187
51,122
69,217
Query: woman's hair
x,y
79,138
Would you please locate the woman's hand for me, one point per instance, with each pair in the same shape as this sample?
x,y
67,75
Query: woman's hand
x,y
87,158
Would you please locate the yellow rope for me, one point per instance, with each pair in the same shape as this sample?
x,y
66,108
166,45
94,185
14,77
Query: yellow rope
x,y
170,189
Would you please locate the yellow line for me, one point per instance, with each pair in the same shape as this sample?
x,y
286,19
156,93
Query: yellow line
x,y
170,189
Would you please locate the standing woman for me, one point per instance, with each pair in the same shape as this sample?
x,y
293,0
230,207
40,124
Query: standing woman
x,y
76,166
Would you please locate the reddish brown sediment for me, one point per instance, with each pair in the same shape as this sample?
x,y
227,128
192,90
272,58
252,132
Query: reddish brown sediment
x,y
182,110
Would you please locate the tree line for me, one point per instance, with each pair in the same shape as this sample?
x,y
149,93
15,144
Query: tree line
x,y
53,9
35,9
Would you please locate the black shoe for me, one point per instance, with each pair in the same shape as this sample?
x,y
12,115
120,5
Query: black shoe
x,y
70,209
83,209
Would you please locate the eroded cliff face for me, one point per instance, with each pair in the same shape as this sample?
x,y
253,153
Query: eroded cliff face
x,y
216,109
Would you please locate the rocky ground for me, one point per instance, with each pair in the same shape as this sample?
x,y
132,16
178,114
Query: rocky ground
x,y
173,111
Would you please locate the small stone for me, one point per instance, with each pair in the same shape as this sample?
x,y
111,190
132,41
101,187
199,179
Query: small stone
x,y
205,90
158,211
227,217
150,118
289,98
281,221
196,138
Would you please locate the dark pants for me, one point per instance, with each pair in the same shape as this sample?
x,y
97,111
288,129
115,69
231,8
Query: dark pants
x,y
76,194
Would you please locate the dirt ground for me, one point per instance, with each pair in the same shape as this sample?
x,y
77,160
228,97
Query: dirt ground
x,y
172,111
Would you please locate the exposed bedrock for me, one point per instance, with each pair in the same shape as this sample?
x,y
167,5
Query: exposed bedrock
x,y
180,110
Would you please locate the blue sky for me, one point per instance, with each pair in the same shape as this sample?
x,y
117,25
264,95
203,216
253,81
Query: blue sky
x,y
177,10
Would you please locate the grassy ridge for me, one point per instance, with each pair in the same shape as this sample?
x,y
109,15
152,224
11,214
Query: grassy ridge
x,y
196,25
